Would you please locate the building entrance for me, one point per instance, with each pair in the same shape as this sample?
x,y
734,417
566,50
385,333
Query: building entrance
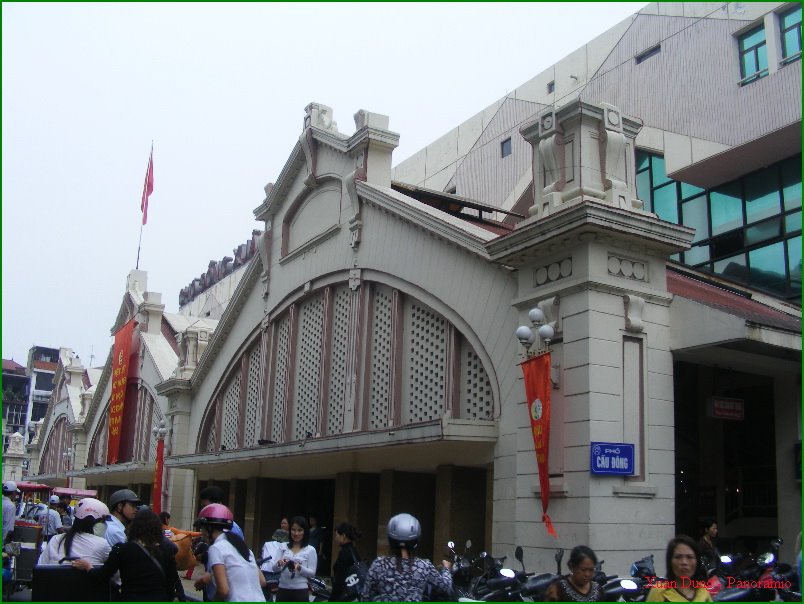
x,y
725,455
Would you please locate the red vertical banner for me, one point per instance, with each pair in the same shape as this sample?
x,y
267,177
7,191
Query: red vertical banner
x,y
158,469
537,389
120,358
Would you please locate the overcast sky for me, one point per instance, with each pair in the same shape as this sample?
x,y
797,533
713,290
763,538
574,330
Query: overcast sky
x,y
221,91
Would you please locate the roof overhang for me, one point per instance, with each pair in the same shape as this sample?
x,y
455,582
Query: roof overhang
x,y
417,447
709,336
132,471
736,161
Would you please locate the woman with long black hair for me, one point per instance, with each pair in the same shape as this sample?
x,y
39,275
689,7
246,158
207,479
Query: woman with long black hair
x,y
80,541
147,572
345,536
298,560
234,569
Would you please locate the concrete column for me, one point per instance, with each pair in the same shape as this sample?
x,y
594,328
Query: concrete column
x,y
356,502
787,417
180,483
384,508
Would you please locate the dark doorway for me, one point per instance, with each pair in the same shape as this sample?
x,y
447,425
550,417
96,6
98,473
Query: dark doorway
x,y
725,467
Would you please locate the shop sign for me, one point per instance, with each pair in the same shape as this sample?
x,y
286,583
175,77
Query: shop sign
x,y
719,407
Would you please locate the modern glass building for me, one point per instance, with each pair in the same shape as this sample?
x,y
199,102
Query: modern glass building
x,y
747,230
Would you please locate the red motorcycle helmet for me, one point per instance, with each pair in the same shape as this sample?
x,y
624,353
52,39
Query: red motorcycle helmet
x,y
215,515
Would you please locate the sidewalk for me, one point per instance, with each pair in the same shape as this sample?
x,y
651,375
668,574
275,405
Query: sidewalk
x,y
189,590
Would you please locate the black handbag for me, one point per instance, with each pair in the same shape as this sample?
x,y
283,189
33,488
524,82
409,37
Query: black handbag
x,y
356,578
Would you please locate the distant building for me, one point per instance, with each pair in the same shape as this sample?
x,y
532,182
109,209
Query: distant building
x,y
16,390
41,368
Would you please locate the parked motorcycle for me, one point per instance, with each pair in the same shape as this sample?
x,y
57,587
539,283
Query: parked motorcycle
x,y
536,587
762,580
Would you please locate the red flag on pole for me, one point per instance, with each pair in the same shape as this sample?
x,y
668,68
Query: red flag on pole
x,y
537,388
148,187
156,489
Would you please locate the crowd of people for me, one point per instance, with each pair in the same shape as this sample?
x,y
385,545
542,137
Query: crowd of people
x,y
128,546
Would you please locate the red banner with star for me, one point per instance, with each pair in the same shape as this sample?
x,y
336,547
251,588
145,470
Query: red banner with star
x,y
120,354
538,387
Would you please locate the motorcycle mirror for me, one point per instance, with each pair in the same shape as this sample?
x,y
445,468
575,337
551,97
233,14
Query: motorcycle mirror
x,y
468,544
483,554
628,584
451,545
508,573
725,559
519,555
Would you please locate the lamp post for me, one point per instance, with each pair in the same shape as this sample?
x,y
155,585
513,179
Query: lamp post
x,y
159,434
69,459
527,335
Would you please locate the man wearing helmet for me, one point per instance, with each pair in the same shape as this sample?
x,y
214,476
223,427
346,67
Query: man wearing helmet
x,y
402,577
123,506
80,541
10,491
50,519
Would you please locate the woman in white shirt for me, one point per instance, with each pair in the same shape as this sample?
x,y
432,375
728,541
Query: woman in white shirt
x,y
234,568
79,541
298,561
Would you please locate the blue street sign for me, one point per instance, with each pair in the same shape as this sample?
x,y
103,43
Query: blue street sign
x,y
612,458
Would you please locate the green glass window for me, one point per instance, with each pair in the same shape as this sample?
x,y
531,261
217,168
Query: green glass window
x,y
733,268
791,183
763,231
794,263
694,214
688,190
726,208
761,195
696,255
658,171
792,222
642,160
790,28
665,203
746,216
753,55
767,267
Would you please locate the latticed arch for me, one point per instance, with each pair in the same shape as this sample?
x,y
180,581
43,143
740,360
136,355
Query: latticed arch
x,y
52,460
343,359
232,420
98,444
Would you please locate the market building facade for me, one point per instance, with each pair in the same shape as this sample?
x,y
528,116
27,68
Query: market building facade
x,y
365,361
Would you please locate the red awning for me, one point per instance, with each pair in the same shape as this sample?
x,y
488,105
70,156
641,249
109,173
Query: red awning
x,y
33,486
75,492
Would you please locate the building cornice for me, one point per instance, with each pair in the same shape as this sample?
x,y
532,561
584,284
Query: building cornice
x,y
587,220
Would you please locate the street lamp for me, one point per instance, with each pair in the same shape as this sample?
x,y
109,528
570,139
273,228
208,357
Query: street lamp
x,y
527,335
159,434
69,461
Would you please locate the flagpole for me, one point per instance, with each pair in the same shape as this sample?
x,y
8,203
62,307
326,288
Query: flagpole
x,y
139,244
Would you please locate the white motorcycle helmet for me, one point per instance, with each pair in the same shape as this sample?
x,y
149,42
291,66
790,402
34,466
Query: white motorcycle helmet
x,y
91,508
